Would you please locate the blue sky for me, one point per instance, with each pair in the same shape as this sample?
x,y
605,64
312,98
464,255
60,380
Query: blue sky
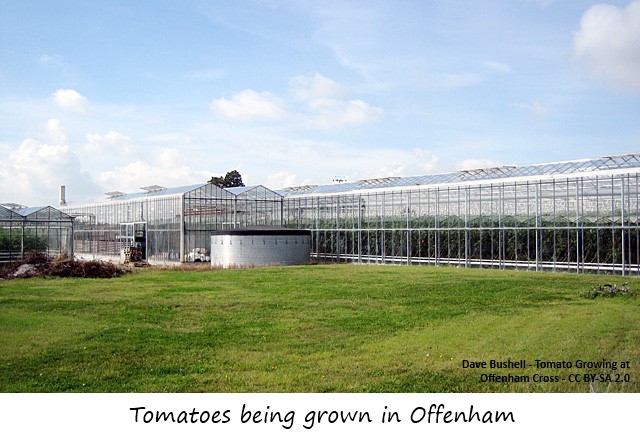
x,y
117,95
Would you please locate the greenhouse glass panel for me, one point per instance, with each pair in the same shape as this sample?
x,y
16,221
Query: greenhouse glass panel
x,y
579,215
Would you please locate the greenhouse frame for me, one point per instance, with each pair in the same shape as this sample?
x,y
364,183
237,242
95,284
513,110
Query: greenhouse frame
x,y
169,225
36,229
579,216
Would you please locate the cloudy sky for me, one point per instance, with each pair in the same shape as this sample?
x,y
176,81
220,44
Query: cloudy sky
x,y
120,94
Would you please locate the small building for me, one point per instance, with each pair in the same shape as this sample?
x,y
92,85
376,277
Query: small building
x,y
260,246
41,229
168,225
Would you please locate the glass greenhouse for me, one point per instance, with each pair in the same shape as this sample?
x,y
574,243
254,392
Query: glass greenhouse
x,y
169,224
579,216
41,229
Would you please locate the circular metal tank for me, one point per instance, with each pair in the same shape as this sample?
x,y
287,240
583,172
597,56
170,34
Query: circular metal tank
x,y
260,246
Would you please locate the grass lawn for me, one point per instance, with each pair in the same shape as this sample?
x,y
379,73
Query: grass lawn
x,y
322,328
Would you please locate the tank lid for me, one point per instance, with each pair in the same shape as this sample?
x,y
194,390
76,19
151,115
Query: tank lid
x,y
261,230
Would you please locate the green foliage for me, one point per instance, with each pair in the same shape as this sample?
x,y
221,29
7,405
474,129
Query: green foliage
x,y
11,240
231,179
217,180
487,239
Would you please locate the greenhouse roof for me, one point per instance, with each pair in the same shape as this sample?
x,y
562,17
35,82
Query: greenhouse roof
x,y
254,192
155,190
29,210
28,213
240,190
627,161
152,191
602,164
46,213
8,213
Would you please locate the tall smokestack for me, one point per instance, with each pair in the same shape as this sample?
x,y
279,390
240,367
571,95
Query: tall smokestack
x,y
63,194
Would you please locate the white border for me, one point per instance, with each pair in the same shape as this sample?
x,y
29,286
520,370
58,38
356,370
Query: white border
x,y
110,415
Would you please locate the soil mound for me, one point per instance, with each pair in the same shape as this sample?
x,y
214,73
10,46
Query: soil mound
x,y
42,265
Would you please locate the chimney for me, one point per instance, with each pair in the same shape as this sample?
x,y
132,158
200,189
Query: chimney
x,y
63,200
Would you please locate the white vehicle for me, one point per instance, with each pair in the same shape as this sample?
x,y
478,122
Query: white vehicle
x,y
200,255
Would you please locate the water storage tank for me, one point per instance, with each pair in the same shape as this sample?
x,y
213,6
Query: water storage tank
x,y
260,246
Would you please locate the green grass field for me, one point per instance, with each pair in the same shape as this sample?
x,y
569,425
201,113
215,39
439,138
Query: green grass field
x,y
322,328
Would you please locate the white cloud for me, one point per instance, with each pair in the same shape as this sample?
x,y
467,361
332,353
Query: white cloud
x,y
284,179
325,109
35,170
279,160
427,161
535,108
112,142
331,113
328,109
249,104
383,162
55,132
477,163
310,88
608,42
71,100
34,154
165,166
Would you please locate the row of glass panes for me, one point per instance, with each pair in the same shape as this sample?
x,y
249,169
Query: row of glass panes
x,y
562,202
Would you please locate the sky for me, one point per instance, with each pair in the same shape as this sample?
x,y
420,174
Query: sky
x,y
115,95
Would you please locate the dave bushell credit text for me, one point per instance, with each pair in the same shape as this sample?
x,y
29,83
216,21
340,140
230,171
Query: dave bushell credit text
x,y
587,370
547,364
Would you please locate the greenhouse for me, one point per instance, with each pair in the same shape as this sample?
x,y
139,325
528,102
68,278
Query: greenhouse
x,y
580,216
39,229
169,225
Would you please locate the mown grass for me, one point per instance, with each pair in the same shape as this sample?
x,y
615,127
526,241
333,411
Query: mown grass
x,y
324,328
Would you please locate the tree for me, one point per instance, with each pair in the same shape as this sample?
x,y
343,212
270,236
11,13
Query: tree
x,y
231,179
217,180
